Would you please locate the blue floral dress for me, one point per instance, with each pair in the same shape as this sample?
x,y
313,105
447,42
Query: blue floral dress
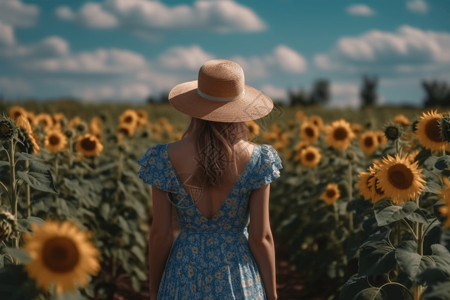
x,y
210,258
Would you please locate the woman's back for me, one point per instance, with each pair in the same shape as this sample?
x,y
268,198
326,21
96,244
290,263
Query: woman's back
x,y
184,158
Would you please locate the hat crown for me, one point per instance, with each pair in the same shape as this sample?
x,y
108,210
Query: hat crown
x,y
221,78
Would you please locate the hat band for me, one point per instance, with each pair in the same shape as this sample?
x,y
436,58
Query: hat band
x,y
221,99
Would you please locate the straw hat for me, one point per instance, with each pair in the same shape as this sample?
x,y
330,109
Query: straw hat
x,y
220,95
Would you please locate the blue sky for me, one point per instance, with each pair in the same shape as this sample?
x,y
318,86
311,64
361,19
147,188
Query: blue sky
x,y
129,49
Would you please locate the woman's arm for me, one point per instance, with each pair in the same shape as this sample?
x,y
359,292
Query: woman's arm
x,y
261,239
161,238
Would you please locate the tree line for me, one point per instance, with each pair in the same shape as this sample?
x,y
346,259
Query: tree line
x,y
437,93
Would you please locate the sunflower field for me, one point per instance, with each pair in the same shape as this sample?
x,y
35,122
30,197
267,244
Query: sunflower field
x,y
362,204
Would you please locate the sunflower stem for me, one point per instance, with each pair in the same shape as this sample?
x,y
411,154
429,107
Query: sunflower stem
x,y
335,210
28,190
397,147
350,195
420,237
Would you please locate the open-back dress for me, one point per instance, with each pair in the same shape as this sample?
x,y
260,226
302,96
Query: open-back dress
x,y
211,258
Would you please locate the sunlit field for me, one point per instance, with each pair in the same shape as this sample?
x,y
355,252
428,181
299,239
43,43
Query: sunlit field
x,y
361,206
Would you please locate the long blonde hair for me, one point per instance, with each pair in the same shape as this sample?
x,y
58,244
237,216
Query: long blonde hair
x,y
215,141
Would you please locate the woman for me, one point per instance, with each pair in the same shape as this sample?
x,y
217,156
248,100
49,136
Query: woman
x,y
217,181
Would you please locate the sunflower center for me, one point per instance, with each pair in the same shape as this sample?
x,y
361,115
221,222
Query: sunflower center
x,y
340,134
309,132
88,144
368,142
60,254
400,176
392,132
128,119
4,130
310,156
330,193
54,140
433,131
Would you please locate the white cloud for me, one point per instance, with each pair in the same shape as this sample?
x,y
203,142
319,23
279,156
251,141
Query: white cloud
x,y
160,80
6,35
92,15
408,49
136,91
97,61
289,60
97,93
191,58
16,13
16,86
361,10
254,67
144,17
65,13
417,6
274,92
282,58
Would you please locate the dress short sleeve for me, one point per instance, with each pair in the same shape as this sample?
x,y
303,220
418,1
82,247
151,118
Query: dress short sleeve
x,y
268,167
156,168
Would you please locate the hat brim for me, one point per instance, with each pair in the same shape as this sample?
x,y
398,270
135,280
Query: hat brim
x,y
253,105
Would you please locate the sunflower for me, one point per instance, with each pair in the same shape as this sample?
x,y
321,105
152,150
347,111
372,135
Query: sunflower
x,y
300,115
6,129
95,127
142,118
127,129
377,192
365,188
43,119
444,125
73,123
17,111
129,117
253,128
356,128
428,131
331,194
23,123
300,146
392,131
339,134
309,132
282,141
89,145
368,142
55,140
316,120
310,156
401,120
400,179
381,137
62,255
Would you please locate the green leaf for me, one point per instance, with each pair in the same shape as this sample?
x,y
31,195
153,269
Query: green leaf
x,y
123,224
439,291
371,293
353,286
408,261
394,213
376,258
19,255
39,181
4,163
138,253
